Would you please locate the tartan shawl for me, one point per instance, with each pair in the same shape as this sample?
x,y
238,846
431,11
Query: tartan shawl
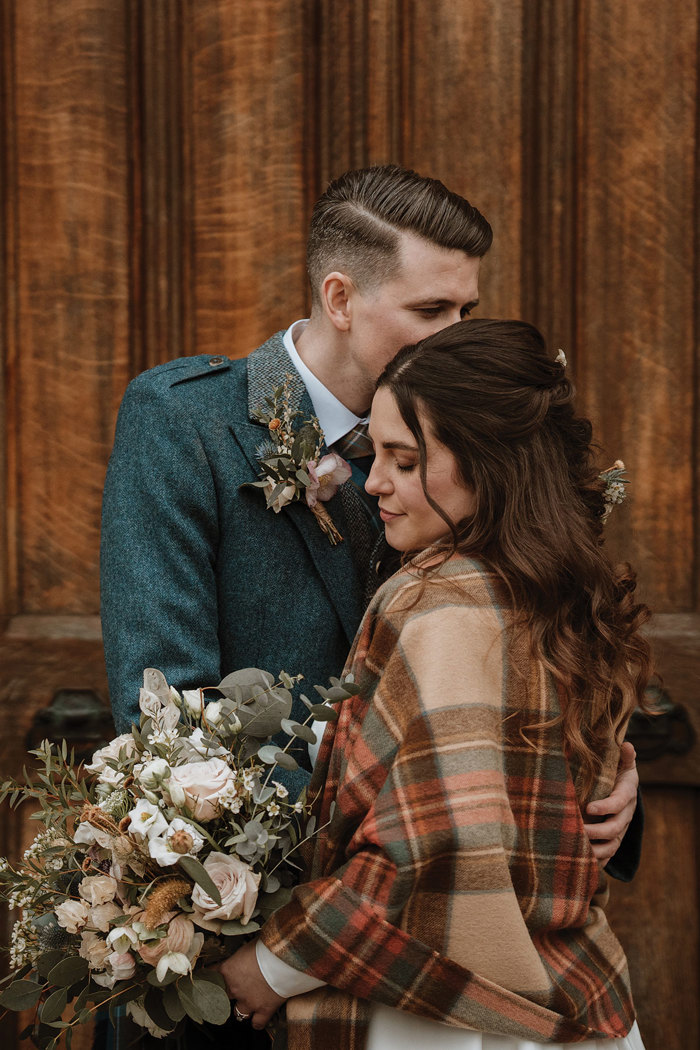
x,y
454,878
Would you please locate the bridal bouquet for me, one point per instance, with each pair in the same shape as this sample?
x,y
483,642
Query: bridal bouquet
x,y
153,859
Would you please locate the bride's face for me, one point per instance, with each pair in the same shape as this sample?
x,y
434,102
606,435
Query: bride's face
x,y
411,523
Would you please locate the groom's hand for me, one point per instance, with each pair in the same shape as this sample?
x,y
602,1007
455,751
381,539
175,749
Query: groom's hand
x,y
247,986
618,808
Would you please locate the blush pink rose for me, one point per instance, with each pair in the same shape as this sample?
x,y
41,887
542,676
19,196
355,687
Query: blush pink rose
x,y
238,885
199,785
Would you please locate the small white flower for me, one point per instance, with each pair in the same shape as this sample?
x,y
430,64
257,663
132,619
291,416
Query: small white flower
x,y
298,807
561,358
273,809
281,789
153,773
181,839
122,938
175,961
147,821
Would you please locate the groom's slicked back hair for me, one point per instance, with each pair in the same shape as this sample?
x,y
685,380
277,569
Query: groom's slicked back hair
x,y
356,224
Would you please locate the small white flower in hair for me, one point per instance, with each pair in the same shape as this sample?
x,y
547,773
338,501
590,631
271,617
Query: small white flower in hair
x,y
561,359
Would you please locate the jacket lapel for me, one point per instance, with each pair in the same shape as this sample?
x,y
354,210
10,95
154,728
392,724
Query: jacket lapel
x,y
267,368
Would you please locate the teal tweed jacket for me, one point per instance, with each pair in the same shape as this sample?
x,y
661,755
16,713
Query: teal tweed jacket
x,y
198,577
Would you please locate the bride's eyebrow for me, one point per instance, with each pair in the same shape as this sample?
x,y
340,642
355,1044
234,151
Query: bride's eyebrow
x,y
401,445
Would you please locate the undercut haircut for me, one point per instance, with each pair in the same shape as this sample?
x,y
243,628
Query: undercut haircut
x,y
356,224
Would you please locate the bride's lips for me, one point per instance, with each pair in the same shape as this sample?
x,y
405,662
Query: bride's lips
x,y
386,515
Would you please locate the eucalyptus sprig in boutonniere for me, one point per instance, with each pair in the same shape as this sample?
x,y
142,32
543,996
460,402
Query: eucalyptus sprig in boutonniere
x,y
291,464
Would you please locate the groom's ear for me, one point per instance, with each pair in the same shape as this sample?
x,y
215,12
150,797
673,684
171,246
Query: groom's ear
x,y
337,291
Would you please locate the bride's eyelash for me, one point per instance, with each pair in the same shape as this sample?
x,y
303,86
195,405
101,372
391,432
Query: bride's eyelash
x,y
406,469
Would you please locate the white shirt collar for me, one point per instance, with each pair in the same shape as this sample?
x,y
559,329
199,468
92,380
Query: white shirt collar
x,y
335,418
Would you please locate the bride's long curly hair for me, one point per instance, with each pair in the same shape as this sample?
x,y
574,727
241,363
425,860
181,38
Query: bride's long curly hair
x,y
492,394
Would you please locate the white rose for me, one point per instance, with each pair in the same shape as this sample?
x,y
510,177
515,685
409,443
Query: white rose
x,y
87,835
200,783
147,820
98,889
238,886
94,948
123,965
111,751
100,916
72,915
286,495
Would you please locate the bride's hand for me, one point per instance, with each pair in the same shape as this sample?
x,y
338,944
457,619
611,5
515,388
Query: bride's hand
x,y
618,808
246,985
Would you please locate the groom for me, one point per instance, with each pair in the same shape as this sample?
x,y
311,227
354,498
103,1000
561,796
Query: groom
x,y
198,577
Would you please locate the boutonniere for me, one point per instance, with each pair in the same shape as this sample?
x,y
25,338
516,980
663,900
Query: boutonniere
x,y
292,467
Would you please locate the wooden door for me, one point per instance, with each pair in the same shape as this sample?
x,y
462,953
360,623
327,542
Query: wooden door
x,y
159,159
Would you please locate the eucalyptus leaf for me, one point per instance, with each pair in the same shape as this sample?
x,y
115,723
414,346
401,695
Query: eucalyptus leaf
x,y
246,849
69,971
185,993
233,928
286,761
271,883
21,995
201,876
268,753
46,962
238,684
54,1005
212,1001
171,1002
155,1008
303,732
322,713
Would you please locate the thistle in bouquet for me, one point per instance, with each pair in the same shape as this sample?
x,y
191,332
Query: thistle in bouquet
x,y
292,467
154,859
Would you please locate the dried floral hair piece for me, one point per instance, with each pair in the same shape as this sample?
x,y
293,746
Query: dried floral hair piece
x,y
615,482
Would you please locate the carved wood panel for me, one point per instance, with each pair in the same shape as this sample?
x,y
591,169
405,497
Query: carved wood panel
x,y
158,162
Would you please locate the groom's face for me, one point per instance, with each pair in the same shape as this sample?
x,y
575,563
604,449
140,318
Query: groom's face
x,y
431,288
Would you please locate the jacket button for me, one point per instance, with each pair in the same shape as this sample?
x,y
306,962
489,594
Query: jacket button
x,y
214,361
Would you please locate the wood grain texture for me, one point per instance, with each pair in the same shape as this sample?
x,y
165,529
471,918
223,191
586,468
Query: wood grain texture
x,y
72,288
247,160
462,122
548,257
160,174
9,532
656,920
635,277
356,94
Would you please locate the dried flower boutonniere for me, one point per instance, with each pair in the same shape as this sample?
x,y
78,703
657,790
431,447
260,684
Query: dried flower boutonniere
x,y
291,463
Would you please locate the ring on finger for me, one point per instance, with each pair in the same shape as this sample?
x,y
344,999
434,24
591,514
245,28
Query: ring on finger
x,y
239,1015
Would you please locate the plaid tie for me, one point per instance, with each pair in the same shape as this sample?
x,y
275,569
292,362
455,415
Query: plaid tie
x,y
355,444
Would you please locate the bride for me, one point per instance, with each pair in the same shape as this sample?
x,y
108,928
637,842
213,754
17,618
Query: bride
x,y
452,898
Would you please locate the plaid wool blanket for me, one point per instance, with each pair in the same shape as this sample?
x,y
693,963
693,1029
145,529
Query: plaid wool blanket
x,y
454,878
